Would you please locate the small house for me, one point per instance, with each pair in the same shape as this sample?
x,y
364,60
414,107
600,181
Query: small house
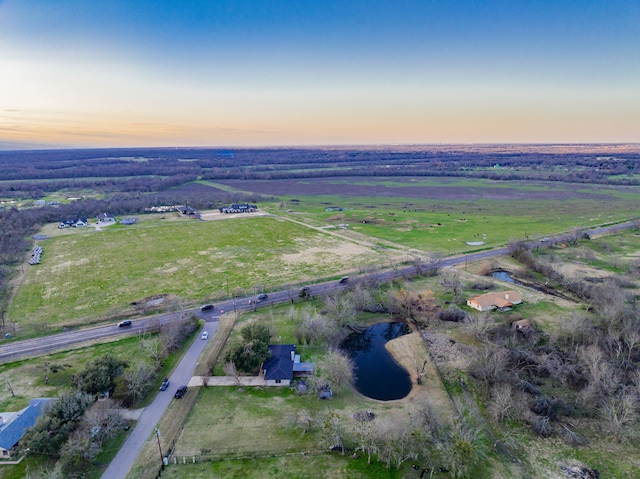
x,y
523,326
502,300
106,218
283,365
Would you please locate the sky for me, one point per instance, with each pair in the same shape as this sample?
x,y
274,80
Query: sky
x,y
115,73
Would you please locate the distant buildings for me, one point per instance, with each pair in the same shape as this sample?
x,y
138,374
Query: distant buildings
x,y
238,208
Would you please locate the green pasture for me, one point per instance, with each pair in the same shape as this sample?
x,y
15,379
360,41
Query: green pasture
x,y
89,274
252,420
295,466
447,226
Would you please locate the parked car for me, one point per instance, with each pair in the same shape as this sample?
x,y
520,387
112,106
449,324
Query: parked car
x,y
126,322
343,280
207,307
263,296
180,392
205,335
164,385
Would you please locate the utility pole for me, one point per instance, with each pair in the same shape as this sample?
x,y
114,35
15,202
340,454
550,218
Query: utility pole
x,y
160,448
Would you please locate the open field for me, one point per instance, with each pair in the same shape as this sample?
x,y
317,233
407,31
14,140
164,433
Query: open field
x,y
442,214
90,275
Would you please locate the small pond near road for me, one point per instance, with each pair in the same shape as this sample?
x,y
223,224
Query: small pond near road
x,y
378,375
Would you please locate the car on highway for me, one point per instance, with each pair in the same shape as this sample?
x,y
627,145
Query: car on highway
x,y
207,307
343,280
262,296
180,392
205,335
126,322
164,385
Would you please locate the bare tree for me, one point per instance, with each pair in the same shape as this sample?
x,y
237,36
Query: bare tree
x,y
154,347
138,380
451,283
332,431
619,412
337,368
502,401
10,388
366,438
304,420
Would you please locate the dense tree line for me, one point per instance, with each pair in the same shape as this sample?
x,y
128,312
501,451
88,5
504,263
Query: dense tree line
x,y
589,166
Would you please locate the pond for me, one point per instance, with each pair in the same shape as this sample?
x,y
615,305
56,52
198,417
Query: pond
x,y
378,375
505,276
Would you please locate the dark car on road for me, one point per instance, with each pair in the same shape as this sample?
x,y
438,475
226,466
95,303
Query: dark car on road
x,y
180,392
126,322
343,280
207,307
164,385
262,296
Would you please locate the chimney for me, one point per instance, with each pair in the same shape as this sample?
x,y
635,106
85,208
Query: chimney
x,y
292,355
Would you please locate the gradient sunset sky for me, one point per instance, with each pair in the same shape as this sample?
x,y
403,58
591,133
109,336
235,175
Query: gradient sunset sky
x,y
113,73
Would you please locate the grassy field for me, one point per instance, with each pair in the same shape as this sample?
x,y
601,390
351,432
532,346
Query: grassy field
x,y
442,214
27,377
431,225
97,274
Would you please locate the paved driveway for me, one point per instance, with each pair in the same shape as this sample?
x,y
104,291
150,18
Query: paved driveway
x,y
147,421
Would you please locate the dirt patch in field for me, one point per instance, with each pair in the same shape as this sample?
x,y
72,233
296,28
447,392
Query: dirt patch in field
x,y
411,353
324,256
581,270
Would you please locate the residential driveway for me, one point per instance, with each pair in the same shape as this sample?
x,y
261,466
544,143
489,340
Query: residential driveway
x,y
228,381
148,419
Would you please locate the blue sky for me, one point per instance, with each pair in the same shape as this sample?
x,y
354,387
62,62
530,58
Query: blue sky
x,y
77,73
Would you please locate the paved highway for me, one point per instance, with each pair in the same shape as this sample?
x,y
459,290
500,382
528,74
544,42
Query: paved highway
x,y
14,350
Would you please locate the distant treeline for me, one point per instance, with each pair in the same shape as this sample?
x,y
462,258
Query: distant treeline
x,y
590,166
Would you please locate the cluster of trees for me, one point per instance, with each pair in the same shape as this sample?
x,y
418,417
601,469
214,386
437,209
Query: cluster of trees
x,y
399,436
592,364
75,426
248,353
